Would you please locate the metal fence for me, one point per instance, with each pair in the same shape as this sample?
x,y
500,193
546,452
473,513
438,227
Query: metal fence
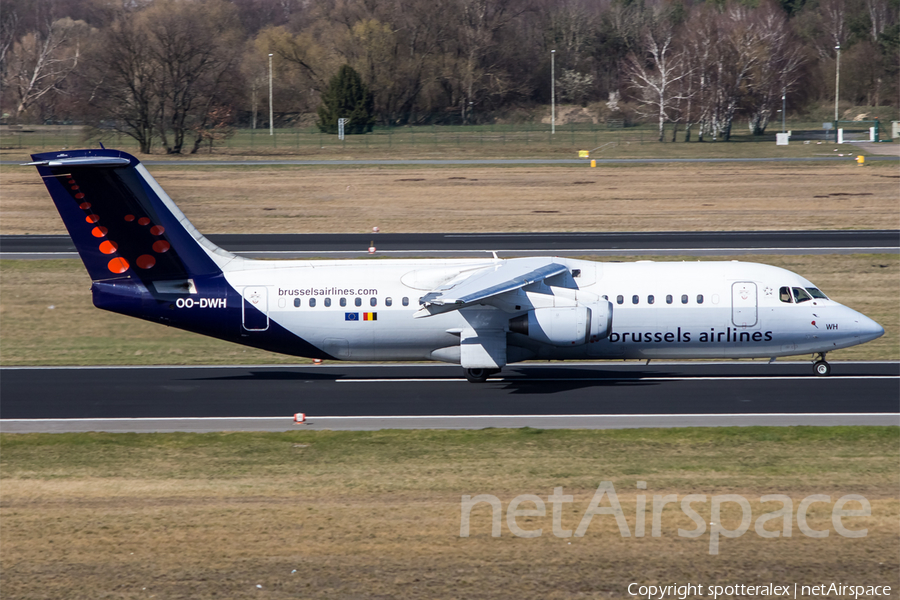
x,y
572,136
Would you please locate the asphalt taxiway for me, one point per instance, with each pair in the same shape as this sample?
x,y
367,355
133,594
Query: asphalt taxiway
x,y
351,396
509,244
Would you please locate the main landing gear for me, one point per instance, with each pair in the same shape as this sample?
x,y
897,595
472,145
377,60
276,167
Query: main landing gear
x,y
822,368
480,375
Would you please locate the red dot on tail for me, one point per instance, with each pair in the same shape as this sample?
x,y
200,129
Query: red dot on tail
x,y
92,218
129,218
108,247
145,261
118,265
79,195
161,246
84,205
99,231
143,221
157,230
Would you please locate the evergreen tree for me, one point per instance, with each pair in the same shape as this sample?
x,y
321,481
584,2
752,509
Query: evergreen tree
x,y
347,97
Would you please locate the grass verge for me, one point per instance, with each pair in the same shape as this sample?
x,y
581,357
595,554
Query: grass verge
x,y
377,514
486,141
665,197
47,318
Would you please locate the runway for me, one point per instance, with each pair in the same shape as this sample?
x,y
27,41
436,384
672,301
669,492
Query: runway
x,y
352,396
509,244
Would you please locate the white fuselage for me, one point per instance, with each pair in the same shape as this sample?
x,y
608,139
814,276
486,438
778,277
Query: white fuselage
x,y
366,310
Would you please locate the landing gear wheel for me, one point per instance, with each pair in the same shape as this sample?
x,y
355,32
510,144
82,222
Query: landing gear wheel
x,y
479,375
822,368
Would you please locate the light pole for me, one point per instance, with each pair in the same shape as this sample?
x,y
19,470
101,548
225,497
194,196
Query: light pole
x,y
271,123
553,91
783,94
837,84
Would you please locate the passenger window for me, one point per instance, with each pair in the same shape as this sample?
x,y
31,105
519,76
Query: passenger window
x,y
650,299
327,301
405,301
684,298
388,301
699,298
784,294
620,299
343,302
669,299
373,301
296,302
358,302
635,299
800,295
312,302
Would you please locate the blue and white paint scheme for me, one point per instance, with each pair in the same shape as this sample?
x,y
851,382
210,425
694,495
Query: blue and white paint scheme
x,y
146,260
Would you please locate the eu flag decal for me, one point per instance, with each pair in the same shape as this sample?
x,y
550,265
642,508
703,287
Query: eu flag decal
x,y
370,316
351,316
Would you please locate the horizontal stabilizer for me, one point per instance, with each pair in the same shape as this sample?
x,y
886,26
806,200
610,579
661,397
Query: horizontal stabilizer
x,y
92,161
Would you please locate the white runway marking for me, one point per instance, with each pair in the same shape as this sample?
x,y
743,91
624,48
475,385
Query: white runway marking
x,y
636,378
445,417
373,422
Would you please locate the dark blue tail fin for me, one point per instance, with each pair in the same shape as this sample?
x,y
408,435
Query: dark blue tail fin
x,y
123,224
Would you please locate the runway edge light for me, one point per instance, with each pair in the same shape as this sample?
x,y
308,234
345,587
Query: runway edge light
x,y
299,417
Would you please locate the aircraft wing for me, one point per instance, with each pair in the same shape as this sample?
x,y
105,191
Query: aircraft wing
x,y
472,288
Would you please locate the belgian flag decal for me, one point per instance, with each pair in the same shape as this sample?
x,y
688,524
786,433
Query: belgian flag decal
x,y
370,316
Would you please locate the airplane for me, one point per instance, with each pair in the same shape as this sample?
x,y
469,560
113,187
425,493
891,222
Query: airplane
x,y
147,260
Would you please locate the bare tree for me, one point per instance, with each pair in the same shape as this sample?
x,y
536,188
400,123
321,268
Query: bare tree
x,y
723,51
9,28
480,24
574,86
656,74
39,62
777,68
124,78
196,47
834,15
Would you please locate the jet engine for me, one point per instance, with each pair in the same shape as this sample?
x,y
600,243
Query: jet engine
x,y
565,326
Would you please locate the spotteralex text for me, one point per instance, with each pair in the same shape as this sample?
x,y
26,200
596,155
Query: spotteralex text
x,y
791,590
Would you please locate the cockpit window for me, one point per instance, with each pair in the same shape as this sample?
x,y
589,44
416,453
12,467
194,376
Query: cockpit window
x,y
800,295
815,293
784,294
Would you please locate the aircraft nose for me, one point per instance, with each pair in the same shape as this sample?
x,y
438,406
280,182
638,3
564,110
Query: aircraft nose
x,y
867,328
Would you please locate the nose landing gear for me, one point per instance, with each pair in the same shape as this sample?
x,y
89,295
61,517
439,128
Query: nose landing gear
x,y
479,375
822,368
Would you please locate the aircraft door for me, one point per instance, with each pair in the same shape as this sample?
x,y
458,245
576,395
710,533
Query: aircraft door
x,y
255,308
743,304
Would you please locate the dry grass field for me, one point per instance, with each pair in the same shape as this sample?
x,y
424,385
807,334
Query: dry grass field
x,y
377,514
664,197
41,299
